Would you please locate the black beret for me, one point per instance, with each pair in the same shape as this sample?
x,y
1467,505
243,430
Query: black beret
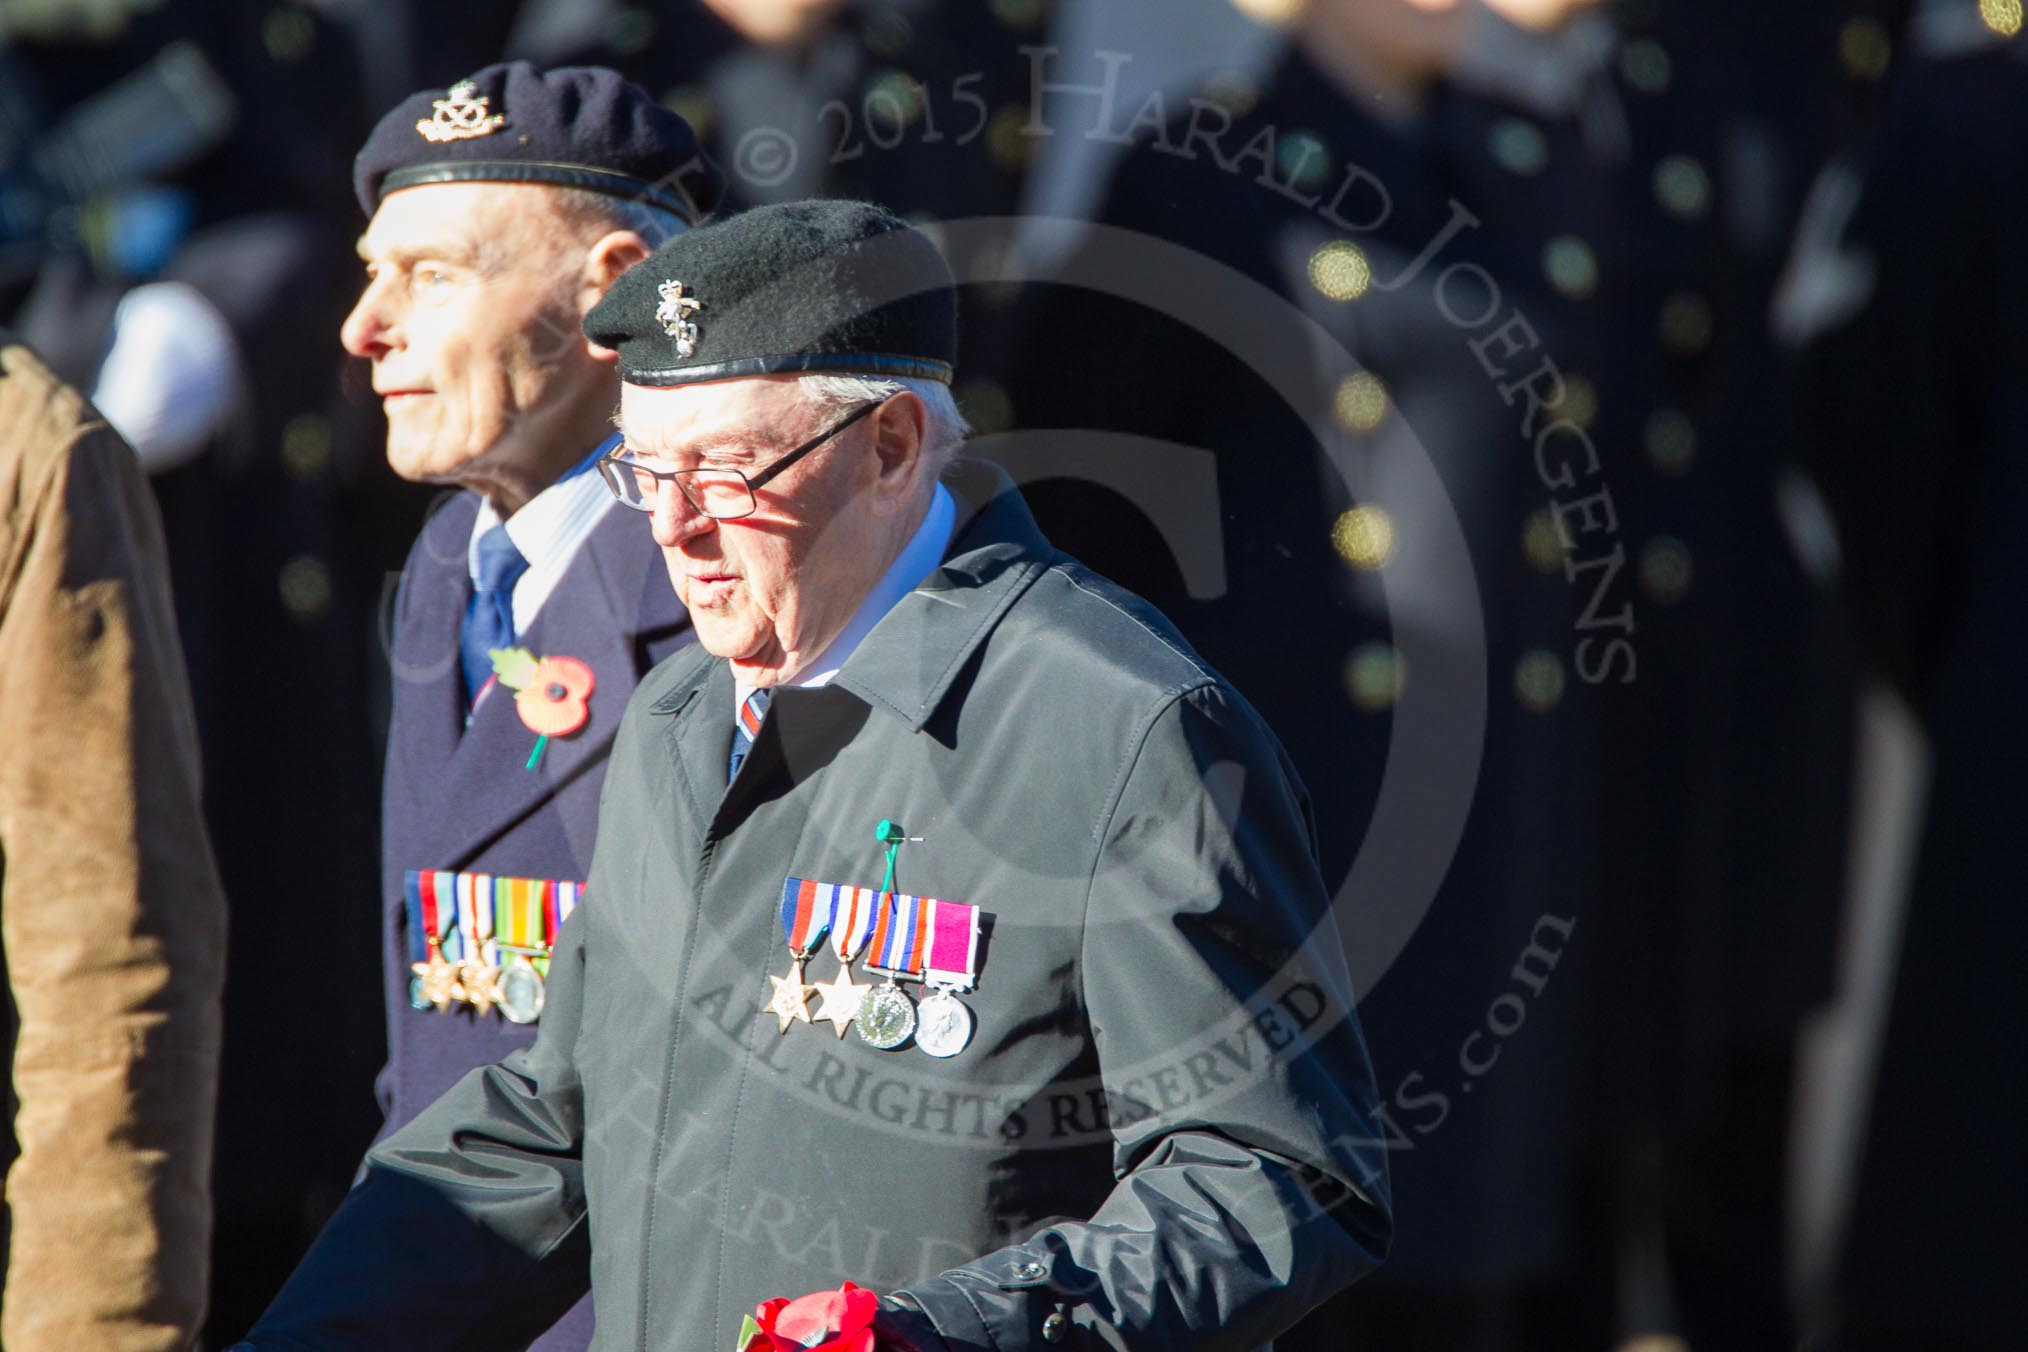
x,y
575,126
843,288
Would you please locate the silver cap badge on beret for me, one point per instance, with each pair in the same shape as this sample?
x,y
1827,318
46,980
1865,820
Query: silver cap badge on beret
x,y
460,115
673,315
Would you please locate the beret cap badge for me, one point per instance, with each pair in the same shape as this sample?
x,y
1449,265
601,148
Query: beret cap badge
x,y
460,115
673,314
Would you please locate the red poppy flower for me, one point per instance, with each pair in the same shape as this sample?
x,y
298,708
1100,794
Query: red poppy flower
x,y
825,1321
554,702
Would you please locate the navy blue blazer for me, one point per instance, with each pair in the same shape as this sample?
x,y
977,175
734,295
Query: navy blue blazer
x,y
463,798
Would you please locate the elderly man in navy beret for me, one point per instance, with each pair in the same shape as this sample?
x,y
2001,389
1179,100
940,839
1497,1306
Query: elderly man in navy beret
x,y
956,974
501,210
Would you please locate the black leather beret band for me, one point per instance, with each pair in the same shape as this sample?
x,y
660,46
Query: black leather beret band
x,y
834,363
542,171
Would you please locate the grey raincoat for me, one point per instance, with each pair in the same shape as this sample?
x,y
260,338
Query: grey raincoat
x,y
1162,1133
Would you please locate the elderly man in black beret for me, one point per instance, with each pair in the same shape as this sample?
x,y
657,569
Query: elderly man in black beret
x,y
956,972
501,210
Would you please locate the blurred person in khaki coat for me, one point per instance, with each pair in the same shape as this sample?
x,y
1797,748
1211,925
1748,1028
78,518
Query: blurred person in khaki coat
x,y
111,913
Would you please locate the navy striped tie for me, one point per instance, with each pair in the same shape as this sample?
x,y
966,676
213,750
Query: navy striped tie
x,y
747,727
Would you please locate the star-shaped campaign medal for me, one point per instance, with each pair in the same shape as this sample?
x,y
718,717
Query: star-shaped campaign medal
x,y
841,999
440,979
790,999
482,988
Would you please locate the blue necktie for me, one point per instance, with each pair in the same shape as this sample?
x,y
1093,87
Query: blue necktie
x,y
747,727
489,615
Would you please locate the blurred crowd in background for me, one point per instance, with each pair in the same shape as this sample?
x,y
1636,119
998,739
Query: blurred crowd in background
x,y
1592,434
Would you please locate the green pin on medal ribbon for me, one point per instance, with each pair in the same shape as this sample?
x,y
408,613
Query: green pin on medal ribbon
x,y
894,838
887,1017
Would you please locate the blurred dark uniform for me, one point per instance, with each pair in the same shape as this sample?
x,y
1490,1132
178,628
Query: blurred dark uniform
x,y
1727,761
1641,906
1319,492
1918,404
918,105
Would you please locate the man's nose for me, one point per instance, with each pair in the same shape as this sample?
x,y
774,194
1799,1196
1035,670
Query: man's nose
x,y
368,331
675,519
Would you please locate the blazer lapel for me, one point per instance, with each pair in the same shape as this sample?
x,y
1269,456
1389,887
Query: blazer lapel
x,y
428,714
613,610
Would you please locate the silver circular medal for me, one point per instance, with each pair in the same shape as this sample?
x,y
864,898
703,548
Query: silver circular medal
x,y
886,1017
520,991
416,998
943,1024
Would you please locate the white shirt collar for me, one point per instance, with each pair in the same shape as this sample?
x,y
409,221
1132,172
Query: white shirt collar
x,y
917,560
548,530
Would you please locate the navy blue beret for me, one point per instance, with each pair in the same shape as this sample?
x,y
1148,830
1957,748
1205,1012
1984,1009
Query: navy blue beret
x,y
575,126
839,287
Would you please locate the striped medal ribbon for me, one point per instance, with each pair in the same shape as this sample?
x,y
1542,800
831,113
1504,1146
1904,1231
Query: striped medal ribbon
x,y
886,1017
559,899
520,912
900,936
806,918
436,983
479,969
853,912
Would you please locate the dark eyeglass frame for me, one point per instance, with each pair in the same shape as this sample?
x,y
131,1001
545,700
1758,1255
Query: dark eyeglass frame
x,y
611,466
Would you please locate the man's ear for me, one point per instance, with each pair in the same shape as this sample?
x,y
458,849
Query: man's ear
x,y
900,450
608,257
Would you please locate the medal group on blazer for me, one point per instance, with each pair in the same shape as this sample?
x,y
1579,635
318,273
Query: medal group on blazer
x,y
486,940
893,935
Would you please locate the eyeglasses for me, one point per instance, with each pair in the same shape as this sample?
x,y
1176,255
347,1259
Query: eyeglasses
x,y
721,494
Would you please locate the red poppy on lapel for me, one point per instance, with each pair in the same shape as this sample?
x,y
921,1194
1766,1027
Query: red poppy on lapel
x,y
552,694
555,702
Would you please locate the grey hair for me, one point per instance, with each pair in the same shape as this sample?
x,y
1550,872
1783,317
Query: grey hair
x,y
947,426
604,211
